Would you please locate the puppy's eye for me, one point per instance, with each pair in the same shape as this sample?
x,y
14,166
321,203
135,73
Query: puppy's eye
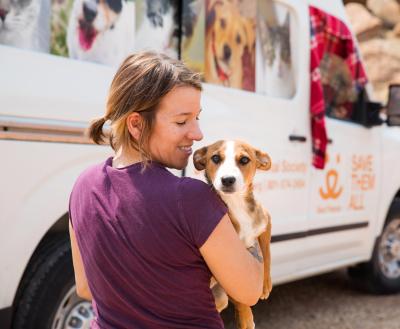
x,y
223,23
238,39
216,159
244,160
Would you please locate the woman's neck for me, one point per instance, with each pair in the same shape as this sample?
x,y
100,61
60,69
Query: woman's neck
x,y
125,156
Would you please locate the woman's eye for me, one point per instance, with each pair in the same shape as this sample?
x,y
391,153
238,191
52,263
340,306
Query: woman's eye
x,y
216,159
181,123
244,160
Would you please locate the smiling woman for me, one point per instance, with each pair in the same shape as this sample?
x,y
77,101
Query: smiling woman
x,y
144,242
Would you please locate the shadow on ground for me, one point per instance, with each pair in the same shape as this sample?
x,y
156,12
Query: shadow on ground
x,y
328,301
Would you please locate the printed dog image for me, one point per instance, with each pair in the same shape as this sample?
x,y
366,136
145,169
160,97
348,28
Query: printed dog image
x,y
158,27
275,74
230,167
25,24
101,31
229,45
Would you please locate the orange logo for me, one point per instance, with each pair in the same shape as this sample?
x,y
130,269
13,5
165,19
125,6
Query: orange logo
x,y
331,190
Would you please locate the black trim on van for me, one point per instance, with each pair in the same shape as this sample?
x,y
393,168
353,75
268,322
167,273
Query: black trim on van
x,y
318,231
6,317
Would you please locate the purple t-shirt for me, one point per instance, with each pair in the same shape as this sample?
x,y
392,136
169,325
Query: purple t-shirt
x,y
139,235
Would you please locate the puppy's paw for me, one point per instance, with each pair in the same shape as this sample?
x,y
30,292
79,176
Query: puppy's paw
x,y
266,288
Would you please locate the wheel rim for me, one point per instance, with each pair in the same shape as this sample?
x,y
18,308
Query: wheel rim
x,y
73,312
389,250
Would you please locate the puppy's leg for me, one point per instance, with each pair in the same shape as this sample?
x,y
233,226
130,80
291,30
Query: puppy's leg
x,y
220,297
264,239
244,316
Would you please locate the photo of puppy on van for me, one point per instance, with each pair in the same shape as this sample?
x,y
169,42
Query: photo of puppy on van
x,y
25,24
101,31
230,43
275,68
157,26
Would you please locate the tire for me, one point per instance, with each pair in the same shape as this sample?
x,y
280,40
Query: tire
x,y
47,297
381,275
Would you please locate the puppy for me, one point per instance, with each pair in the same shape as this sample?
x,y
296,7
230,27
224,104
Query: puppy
x,y
230,167
101,31
230,46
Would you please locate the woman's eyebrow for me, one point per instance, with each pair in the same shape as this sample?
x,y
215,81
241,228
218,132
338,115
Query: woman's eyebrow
x,y
187,113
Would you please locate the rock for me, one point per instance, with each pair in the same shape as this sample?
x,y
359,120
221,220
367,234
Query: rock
x,y
396,30
365,25
382,63
387,10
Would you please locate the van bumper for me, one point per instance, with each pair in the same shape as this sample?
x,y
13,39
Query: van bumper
x,y
5,317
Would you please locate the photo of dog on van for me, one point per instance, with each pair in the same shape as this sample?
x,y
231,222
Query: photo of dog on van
x,y
25,24
230,43
102,32
274,61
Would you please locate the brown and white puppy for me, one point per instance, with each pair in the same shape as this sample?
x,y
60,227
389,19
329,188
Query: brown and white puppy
x,y
230,44
230,167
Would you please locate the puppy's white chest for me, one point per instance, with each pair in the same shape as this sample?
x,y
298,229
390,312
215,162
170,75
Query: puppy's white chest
x,y
248,232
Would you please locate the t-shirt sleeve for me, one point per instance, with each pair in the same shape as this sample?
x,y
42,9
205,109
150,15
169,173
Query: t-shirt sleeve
x,y
201,209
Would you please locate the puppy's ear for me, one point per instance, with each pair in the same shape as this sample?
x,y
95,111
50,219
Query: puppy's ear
x,y
263,160
250,30
199,158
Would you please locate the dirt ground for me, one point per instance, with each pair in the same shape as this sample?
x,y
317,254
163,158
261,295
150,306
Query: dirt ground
x,y
327,301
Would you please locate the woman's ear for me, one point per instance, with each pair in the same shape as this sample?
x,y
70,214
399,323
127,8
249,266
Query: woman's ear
x,y
134,124
199,158
263,160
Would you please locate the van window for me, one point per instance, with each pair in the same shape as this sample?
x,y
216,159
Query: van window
x,y
338,68
275,56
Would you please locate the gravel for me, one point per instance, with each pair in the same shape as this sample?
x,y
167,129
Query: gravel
x,y
326,301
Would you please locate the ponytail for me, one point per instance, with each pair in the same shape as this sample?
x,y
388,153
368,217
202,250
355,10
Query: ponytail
x,y
96,130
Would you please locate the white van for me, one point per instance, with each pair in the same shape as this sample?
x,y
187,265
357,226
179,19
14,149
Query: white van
x,y
345,215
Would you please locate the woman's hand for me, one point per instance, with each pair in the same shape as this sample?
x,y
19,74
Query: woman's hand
x,y
82,287
237,270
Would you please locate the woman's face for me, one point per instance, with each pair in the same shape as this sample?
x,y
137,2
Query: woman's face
x,y
176,127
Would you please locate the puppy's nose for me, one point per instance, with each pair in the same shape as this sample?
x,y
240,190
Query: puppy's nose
x,y
3,14
227,52
89,11
228,181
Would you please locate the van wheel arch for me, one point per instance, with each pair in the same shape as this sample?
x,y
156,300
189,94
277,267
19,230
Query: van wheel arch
x,y
381,274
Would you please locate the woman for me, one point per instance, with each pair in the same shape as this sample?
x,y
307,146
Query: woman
x,y
143,240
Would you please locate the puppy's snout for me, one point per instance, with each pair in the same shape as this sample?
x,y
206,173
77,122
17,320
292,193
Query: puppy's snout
x,y
228,181
89,11
227,52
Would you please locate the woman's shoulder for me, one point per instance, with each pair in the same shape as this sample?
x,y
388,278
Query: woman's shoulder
x,y
194,185
91,174
192,188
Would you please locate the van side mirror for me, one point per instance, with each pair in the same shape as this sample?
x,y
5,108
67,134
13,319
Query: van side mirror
x,y
393,107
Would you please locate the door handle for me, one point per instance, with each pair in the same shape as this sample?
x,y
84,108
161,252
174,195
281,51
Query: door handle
x,y
297,138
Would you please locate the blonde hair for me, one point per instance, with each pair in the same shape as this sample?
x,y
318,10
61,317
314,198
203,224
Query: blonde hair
x,y
140,83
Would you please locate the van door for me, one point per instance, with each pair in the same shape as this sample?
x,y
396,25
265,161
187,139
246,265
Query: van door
x,y
344,196
271,117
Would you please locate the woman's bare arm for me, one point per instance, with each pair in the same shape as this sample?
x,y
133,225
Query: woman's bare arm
x,y
82,287
238,270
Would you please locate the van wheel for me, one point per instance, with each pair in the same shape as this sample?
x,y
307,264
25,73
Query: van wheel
x,y
47,299
381,275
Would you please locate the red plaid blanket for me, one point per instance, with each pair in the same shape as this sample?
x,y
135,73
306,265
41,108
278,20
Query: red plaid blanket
x,y
328,34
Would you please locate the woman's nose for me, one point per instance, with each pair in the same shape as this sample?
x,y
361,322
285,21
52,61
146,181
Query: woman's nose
x,y
195,133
